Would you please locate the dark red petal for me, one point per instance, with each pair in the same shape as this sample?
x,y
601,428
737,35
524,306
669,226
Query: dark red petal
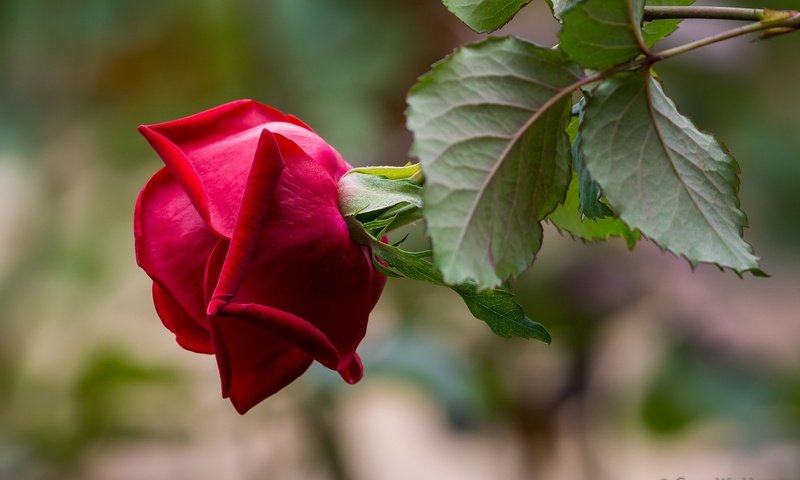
x,y
172,245
188,333
313,146
213,268
261,183
251,373
353,370
210,154
308,265
253,363
292,329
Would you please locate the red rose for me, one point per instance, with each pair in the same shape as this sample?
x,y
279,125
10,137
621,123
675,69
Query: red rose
x,y
250,258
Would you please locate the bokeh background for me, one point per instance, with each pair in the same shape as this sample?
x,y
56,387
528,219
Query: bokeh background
x,y
655,371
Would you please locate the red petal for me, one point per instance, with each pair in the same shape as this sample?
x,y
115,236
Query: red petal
x,y
292,329
260,349
211,154
313,146
253,363
307,265
172,245
261,183
353,370
188,333
286,284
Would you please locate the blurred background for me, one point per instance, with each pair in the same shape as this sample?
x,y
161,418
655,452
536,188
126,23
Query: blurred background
x,y
655,371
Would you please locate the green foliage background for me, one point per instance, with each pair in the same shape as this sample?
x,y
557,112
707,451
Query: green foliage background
x,y
92,386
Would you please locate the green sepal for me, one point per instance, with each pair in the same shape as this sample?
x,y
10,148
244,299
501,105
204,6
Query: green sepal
x,y
390,172
361,193
383,269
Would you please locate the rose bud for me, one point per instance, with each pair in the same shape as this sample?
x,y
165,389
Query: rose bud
x,y
250,258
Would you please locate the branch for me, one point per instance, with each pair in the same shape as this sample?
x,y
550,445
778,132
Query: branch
x,y
772,23
768,22
718,13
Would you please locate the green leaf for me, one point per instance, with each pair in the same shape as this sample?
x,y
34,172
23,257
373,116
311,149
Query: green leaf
x,y
495,307
504,316
488,126
364,193
601,33
662,175
568,217
589,191
485,15
660,29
